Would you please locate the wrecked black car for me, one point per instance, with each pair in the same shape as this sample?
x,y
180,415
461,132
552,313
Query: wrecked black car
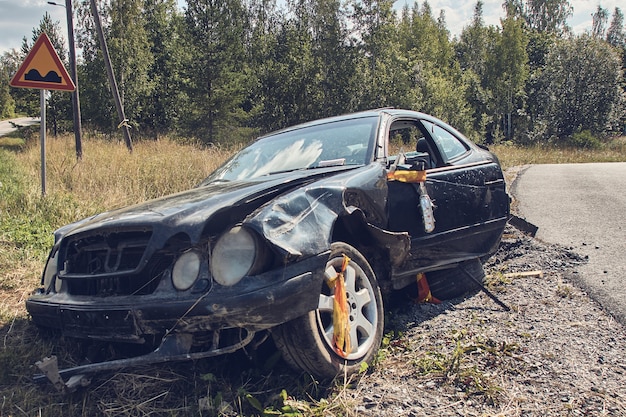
x,y
298,234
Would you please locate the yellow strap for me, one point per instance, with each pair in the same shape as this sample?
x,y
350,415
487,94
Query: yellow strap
x,y
341,324
407,176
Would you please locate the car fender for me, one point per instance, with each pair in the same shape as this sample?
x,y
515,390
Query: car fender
x,y
300,223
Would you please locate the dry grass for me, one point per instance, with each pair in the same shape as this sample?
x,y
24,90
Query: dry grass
x,y
109,176
510,156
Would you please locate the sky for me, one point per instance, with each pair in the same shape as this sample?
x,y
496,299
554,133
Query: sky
x,y
19,17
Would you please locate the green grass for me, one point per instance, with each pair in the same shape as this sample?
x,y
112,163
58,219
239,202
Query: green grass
x,y
107,177
12,143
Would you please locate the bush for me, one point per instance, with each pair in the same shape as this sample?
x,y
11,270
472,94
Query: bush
x,y
584,140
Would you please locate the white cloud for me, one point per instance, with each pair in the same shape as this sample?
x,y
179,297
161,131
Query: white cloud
x,y
19,18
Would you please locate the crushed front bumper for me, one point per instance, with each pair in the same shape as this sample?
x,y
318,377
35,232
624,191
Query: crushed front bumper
x,y
261,302
182,324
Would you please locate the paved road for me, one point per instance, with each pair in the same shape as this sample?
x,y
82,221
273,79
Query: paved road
x,y
582,206
7,126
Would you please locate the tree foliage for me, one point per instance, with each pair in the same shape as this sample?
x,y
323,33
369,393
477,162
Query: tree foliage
x,y
217,73
581,88
616,33
548,16
223,71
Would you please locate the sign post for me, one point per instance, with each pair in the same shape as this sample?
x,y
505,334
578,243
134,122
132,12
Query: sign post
x,y
43,69
42,134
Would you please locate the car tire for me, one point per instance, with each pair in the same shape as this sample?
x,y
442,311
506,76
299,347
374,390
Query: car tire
x,y
454,282
306,342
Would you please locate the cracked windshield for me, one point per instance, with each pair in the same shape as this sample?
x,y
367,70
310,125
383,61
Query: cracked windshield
x,y
330,144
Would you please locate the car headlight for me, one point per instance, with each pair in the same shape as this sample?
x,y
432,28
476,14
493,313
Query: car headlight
x,y
186,270
236,253
50,271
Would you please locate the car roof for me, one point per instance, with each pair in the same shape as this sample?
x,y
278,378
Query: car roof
x,y
357,115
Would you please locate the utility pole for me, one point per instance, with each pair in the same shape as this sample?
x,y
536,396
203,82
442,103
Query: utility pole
x,y
107,63
69,13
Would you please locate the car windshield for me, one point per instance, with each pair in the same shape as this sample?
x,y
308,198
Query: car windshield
x,y
346,142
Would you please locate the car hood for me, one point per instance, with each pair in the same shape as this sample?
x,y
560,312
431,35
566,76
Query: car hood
x,y
292,210
188,207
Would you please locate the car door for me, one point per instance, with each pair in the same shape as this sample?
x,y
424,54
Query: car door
x,y
467,189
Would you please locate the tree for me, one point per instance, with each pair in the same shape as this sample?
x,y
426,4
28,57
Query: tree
x,y
616,35
334,59
380,66
599,21
262,34
581,88
124,27
289,80
164,107
508,72
131,57
541,15
471,49
434,78
9,63
472,52
97,106
217,75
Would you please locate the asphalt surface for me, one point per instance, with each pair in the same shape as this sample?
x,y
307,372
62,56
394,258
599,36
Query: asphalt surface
x,y
582,207
8,126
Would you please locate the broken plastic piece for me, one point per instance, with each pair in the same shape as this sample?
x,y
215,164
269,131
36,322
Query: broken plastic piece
x,y
173,347
50,368
427,209
77,381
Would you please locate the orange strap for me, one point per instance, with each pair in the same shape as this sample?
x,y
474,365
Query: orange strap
x,y
341,324
423,291
407,176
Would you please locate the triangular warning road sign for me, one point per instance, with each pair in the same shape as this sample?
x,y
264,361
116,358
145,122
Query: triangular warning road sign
x,y
43,69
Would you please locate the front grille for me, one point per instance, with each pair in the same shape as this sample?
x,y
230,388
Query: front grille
x,y
104,253
107,264
142,283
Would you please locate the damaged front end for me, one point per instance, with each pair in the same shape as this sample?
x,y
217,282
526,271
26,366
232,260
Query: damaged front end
x,y
175,306
173,347
195,285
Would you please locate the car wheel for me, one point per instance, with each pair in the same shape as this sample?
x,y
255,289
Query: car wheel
x,y
454,282
307,342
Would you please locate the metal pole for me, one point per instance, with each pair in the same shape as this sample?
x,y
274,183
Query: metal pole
x,y
73,73
69,14
42,134
107,63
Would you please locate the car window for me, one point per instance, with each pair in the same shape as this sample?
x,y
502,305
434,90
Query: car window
x,y
346,142
408,138
449,145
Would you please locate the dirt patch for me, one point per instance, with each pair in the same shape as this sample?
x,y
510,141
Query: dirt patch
x,y
555,353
